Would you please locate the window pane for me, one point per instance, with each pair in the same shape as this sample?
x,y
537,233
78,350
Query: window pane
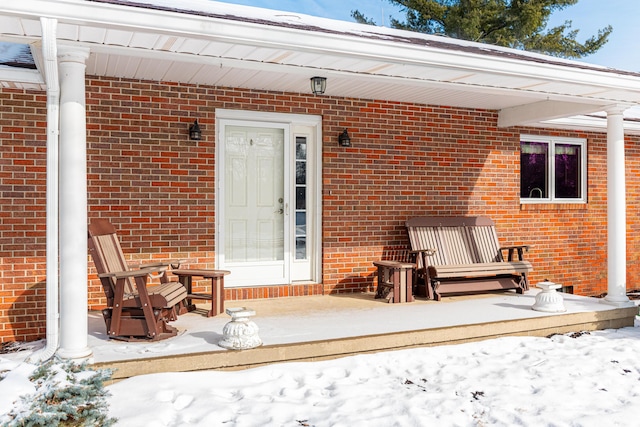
x,y
301,198
301,223
534,160
301,248
567,174
301,173
301,148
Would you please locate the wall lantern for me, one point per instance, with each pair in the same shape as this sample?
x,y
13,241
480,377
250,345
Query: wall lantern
x,y
344,140
195,134
318,85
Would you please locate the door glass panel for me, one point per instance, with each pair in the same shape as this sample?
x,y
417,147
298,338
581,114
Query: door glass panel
x,y
301,223
301,198
301,172
301,248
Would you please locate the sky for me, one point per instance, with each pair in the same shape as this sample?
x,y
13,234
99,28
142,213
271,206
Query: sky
x,y
578,379
588,16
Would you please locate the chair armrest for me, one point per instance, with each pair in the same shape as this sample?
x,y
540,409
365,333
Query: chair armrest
x,y
134,273
173,263
202,272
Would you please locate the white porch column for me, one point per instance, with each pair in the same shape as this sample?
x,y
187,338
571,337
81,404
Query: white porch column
x,y
73,204
616,210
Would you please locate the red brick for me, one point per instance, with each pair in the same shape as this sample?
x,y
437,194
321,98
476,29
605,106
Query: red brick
x,y
406,160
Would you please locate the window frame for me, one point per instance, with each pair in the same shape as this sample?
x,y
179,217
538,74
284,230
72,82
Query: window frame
x,y
552,141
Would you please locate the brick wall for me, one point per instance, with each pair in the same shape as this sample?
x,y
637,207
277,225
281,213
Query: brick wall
x,y
22,214
157,187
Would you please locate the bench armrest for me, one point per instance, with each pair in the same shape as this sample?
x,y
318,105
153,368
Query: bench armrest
x,y
525,247
520,248
419,258
426,252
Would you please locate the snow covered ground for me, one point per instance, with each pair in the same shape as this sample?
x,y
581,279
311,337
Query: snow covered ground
x,y
580,379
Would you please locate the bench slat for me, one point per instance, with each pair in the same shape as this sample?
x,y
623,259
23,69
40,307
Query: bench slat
x,y
482,270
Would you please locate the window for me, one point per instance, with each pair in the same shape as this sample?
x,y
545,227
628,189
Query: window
x,y
301,197
552,170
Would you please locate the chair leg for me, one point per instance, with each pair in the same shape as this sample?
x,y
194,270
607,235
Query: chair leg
x,y
147,309
113,327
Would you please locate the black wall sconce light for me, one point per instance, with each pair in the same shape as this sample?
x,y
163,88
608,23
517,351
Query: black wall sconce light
x,y
195,134
344,140
318,85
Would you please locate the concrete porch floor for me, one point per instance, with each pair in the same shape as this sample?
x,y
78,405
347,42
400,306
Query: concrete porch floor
x,y
331,326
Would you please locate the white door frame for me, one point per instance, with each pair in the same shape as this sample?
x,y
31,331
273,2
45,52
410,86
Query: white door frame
x,y
252,118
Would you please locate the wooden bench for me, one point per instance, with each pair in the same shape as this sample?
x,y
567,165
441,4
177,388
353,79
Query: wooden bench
x,y
458,255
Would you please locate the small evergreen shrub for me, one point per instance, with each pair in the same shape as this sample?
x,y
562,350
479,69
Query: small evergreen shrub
x,y
67,394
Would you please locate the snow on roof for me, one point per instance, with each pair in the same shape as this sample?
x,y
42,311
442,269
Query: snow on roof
x,y
16,55
214,9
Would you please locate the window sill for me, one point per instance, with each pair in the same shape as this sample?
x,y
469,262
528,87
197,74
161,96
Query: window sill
x,y
552,206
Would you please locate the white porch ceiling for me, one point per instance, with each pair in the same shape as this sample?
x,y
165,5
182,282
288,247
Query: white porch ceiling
x,y
210,43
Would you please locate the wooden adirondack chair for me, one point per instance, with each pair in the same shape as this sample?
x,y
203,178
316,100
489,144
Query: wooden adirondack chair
x,y
134,310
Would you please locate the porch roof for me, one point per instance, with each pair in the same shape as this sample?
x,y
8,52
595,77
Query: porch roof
x,y
212,43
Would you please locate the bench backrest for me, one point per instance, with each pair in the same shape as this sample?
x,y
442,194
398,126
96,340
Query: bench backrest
x,y
457,240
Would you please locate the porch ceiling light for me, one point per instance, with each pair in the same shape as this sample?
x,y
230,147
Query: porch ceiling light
x,y
344,140
195,134
318,85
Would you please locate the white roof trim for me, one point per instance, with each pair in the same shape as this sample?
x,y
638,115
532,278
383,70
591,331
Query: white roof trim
x,y
266,49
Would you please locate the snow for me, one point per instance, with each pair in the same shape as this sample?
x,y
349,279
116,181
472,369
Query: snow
x,y
286,321
16,55
580,379
588,380
14,382
333,25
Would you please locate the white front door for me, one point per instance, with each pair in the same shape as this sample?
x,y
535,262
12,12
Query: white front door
x,y
267,199
254,203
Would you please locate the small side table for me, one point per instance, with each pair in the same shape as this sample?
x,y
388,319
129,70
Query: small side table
x,y
395,279
185,276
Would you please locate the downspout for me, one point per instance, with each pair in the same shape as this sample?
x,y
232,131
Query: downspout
x,y
50,68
